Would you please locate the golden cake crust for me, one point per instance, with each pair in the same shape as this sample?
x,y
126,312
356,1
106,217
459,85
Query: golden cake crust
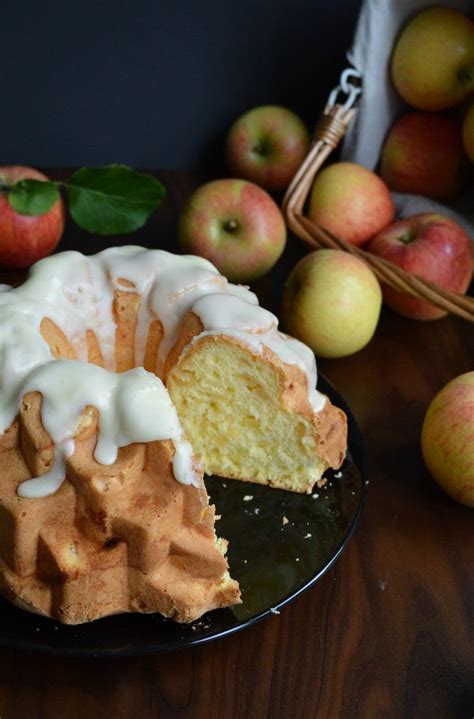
x,y
112,538
128,536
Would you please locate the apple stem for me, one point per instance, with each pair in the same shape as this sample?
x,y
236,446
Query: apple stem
x,y
406,237
260,149
230,225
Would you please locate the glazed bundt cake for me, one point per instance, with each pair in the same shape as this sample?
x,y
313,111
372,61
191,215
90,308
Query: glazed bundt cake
x,y
102,502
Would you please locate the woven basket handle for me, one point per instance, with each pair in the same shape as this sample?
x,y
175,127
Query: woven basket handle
x,y
328,133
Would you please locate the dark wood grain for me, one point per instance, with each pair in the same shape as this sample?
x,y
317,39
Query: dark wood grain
x,y
387,632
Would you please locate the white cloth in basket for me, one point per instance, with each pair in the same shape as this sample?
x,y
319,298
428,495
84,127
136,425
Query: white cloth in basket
x,y
380,22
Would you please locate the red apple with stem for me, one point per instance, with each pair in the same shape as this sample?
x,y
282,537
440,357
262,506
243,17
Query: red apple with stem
x,y
24,239
266,146
432,247
423,154
236,225
350,201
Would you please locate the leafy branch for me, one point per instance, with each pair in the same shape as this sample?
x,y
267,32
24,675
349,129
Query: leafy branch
x,y
109,200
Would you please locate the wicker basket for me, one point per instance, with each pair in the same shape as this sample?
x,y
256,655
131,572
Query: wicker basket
x,y
329,131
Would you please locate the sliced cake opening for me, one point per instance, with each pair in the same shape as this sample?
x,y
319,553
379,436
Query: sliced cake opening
x,y
239,415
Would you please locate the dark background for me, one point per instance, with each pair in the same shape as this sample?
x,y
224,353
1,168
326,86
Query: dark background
x,y
156,84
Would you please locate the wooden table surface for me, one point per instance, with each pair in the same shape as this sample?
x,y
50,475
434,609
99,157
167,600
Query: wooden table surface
x,y
387,632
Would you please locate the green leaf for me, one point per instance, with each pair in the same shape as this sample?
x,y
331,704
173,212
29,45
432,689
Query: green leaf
x,y
112,200
33,197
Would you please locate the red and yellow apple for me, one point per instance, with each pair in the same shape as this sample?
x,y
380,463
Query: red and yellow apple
x,y
447,438
423,154
468,132
267,145
24,239
236,225
332,302
351,202
431,246
433,59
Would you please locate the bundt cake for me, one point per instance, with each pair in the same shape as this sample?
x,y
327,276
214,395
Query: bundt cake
x,y
105,361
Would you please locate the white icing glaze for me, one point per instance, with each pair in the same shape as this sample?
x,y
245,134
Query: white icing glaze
x,y
77,293
50,482
133,406
224,312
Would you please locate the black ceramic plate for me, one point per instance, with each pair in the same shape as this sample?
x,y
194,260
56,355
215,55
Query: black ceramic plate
x,y
273,559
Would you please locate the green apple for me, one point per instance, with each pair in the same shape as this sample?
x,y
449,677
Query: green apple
x,y
433,59
423,154
351,202
332,302
267,145
236,225
468,132
447,438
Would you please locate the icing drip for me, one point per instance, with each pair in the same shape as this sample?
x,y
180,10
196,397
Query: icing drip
x,y
77,294
133,406
167,284
50,482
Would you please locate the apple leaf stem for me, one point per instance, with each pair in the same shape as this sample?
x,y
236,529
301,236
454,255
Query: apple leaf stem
x,y
107,201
